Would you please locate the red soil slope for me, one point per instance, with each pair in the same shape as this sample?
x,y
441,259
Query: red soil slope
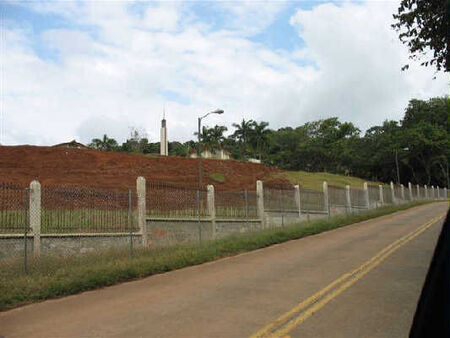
x,y
91,168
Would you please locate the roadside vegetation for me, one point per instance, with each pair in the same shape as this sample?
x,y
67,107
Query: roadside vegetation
x,y
51,277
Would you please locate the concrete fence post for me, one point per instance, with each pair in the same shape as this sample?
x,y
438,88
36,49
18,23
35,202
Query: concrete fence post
x,y
438,193
410,191
348,200
35,216
297,199
432,192
380,187
142,209
445,193
211,208
393,193
426,191
326,200
418,192
260,202
402,192
366,195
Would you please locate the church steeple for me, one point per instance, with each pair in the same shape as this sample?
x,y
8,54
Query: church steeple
x,y
164,144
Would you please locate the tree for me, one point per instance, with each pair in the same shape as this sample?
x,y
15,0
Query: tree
x,y
106,143
242,135
137,141
259,136
213,137
426,125
423,25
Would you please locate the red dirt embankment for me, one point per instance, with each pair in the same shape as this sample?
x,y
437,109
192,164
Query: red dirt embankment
x,y
92,168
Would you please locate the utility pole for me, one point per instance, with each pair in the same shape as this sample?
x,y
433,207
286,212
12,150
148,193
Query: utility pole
x,y
396,163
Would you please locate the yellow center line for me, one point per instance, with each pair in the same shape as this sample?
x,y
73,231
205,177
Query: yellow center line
x,y
285,323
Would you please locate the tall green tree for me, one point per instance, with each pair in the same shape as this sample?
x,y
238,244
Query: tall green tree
x,y
213,138
242,135
259,137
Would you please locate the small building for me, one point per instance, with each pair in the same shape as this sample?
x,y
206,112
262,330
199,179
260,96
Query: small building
x,y
217,154
253,160
71,144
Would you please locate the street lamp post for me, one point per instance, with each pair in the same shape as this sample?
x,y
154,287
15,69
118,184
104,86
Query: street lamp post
x,y
200,173
396,163
199,148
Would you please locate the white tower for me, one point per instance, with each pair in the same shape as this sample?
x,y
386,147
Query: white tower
x,y
164,145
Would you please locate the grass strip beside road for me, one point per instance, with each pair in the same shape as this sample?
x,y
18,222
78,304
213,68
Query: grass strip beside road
x,y
51,277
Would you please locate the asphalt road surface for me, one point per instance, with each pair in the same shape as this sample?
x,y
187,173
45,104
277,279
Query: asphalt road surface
x,y
362,280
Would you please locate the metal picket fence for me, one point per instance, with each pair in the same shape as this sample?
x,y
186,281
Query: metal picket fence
x,y
358,199
280,200
374,195
235,204
337,196
175,201
86,210
312,201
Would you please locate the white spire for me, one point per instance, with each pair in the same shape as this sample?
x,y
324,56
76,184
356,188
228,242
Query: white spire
x,y
164,144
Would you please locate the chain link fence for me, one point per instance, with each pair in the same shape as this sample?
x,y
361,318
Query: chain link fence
x,y
16,245
64,220
13,201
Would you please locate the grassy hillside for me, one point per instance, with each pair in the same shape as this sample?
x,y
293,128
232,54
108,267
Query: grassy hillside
x,y
315,180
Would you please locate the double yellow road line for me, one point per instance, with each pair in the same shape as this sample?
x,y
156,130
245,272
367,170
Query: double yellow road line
x,y
294,317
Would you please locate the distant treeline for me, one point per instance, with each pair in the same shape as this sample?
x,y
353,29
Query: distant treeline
x,y
419,143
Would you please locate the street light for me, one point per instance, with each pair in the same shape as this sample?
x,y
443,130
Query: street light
x,y
396,163
199,150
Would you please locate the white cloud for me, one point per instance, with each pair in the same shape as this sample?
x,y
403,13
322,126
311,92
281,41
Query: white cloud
x,y
250,17
163,16
360,57
113,79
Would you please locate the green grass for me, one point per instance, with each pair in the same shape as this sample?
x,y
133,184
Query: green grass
x,y
218,177
310,180
52,277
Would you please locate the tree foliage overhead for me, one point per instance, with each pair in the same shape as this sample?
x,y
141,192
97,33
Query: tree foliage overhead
x,y
423,25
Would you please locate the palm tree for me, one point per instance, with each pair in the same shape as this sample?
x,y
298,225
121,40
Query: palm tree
x,y
243,134
259,136
105,143
213,137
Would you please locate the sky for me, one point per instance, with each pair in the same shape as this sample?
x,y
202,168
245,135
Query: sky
x,y
81,69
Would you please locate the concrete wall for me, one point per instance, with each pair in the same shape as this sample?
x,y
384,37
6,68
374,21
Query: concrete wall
x,y
162,232
13,246
66,244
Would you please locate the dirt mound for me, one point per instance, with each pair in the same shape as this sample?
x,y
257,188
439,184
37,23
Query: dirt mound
x,y
91,168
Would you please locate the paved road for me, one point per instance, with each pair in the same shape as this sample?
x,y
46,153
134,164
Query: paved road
x,y
264,292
